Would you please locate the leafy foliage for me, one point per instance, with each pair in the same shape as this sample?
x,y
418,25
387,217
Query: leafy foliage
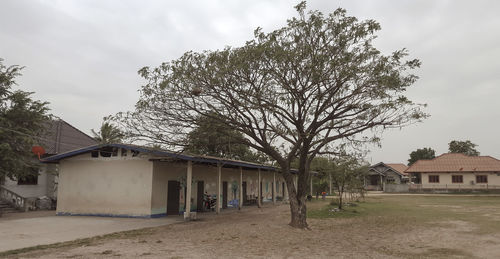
x,y
213,138
421,153
108,133
307,89
348,175
21,125
464,147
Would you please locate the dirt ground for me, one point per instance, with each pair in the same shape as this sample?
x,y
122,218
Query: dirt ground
x,y
264,233
27,215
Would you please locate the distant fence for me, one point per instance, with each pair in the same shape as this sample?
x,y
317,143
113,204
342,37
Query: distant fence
x,y
446,188
373,187
391,187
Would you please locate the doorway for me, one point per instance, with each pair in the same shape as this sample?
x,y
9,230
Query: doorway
x,y
224,195
244,189
261,198
173,198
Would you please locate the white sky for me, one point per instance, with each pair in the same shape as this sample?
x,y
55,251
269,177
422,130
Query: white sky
x,y
83,56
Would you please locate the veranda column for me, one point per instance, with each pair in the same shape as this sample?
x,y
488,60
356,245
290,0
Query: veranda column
x,y
219,179
240,202
189,178
274,188
259,198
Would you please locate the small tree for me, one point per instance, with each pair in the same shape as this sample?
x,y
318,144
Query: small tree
x,y
108,133
22,123
347,175
464,147
421,153
304,90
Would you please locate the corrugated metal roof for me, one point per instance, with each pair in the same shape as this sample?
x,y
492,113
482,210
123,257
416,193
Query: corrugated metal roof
x,y
453,162
61,137
399,167
161,154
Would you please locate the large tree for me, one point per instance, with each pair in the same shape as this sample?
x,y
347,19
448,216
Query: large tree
x,y
464,147
309,88
22,124
421,153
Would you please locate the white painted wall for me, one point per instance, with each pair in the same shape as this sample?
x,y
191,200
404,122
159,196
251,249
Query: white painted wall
x,y
45,187
445,180
109,186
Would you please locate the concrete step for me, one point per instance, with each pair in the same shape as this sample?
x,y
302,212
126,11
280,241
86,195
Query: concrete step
x,y
5,207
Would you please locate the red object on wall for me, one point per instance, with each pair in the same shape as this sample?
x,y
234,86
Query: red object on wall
x,y
38,150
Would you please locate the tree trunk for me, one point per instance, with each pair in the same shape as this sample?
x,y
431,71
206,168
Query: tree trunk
x,y
297,197
298,213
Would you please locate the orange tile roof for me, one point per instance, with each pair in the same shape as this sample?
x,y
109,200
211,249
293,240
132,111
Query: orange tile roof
x,y
454,162
399,167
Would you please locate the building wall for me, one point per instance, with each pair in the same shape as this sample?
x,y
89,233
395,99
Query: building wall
x,y
170,171
46,184
445,180
135,186
105,186
393,175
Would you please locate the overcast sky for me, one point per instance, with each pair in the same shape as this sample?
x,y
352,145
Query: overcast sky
x,y
83,56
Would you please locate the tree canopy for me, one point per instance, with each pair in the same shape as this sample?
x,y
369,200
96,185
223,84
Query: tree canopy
x,y
213,138
307,89
108,133
22,124
346,173
421,153
465,147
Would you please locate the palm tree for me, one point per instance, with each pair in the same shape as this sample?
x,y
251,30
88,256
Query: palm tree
x,y
109,133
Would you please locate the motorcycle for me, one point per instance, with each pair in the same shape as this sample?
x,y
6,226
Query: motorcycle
x,y
209,202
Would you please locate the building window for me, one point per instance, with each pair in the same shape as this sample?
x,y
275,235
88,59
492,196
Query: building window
x,y
124,152
457,178
108,151
390,179
481,179
433,178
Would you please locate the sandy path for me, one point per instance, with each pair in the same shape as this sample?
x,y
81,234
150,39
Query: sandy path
x,y
264,233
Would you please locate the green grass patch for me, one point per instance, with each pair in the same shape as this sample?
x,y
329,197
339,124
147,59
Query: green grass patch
x,y
481,211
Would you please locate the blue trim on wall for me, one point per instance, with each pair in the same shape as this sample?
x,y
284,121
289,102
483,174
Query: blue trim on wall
x,y
112,215
158,215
